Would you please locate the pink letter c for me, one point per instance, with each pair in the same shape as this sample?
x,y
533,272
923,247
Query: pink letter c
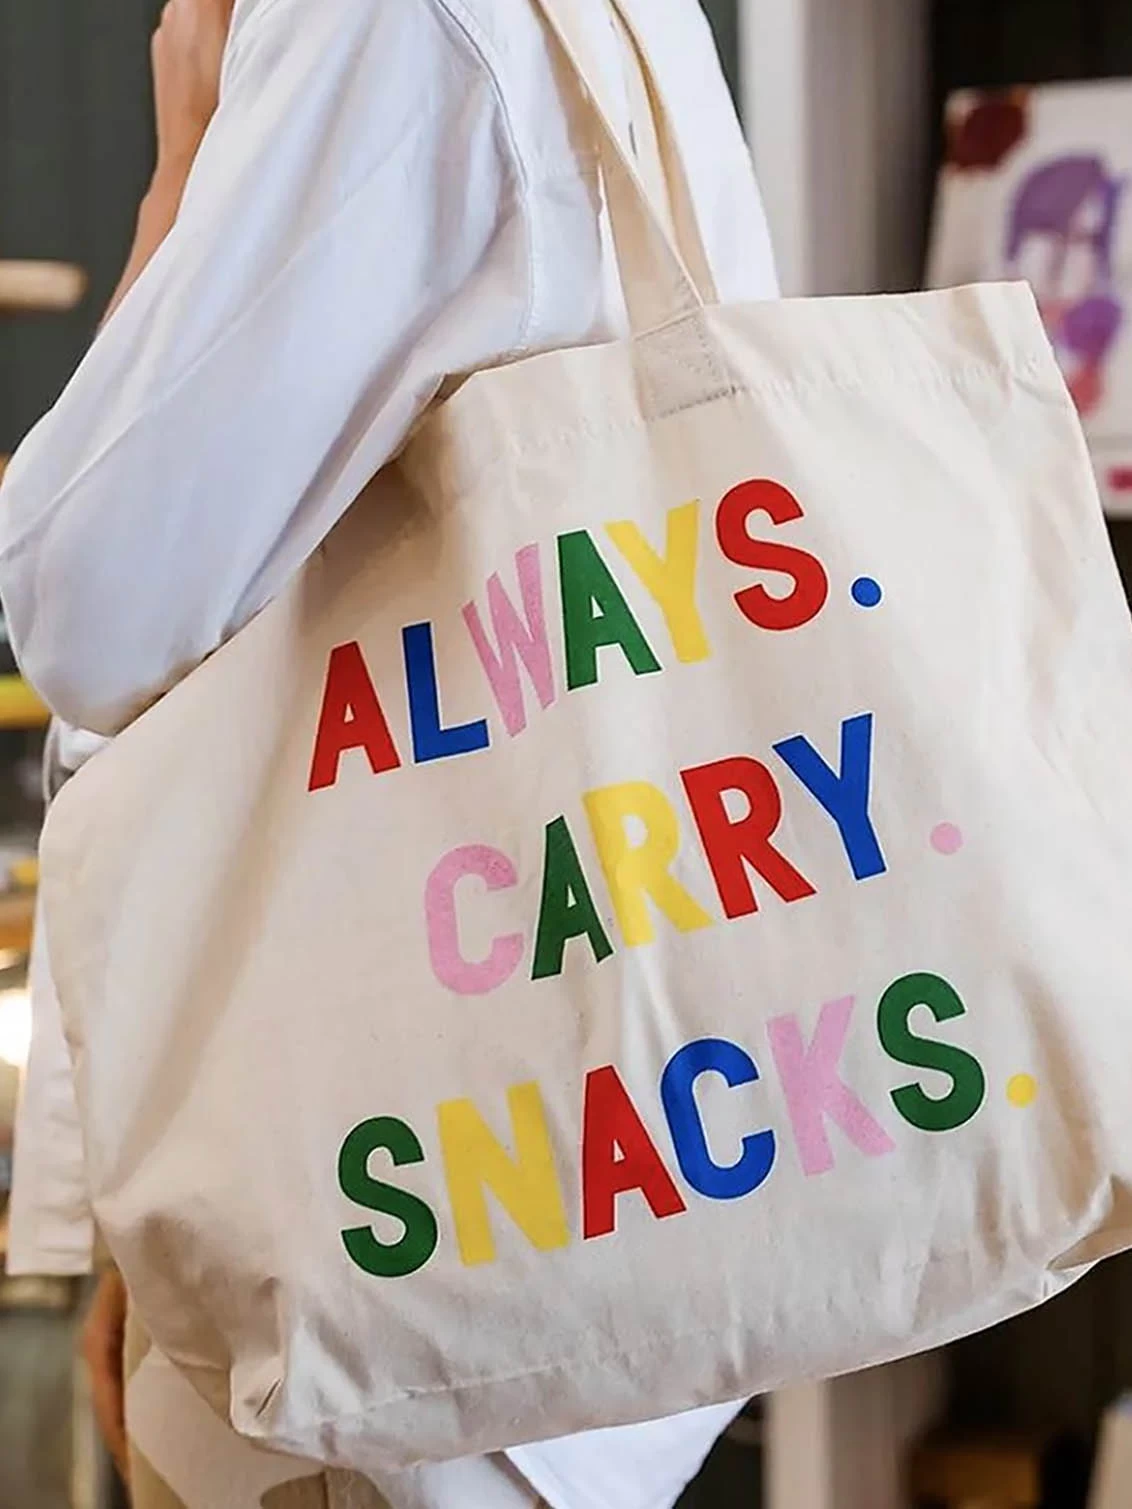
x,y
463,976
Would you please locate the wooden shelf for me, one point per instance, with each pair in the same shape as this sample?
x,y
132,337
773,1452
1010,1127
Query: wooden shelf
x,y
40,287
17,918
19,706
54,1294
986,1472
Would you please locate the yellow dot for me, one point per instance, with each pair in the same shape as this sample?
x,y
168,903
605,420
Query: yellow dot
x,y
1022,1090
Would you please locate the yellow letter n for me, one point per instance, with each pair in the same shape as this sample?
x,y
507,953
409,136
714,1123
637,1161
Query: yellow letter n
x,y
526,1184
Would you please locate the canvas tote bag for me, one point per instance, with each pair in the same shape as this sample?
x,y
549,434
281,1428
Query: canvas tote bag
x,y
644,917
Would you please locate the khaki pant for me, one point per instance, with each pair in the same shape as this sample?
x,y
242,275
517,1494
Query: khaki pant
x,y
149,1491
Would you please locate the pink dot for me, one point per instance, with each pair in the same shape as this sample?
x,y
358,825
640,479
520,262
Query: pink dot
x,y
947,839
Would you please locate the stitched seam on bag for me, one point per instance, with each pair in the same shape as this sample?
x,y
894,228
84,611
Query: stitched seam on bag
x,y
725,385
961,380
788,389
726,390
1120,1236
408,1395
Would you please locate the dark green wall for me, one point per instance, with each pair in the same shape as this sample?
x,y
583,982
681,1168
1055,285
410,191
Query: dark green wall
x,y
980,42
724,18
987,43
75,153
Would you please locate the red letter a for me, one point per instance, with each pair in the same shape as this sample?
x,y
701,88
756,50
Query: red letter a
x,y
610,1122
351,718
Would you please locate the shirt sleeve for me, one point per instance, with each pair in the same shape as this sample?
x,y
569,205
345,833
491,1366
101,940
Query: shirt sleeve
x,y
355,185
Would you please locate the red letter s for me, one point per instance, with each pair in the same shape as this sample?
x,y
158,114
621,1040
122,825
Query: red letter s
x,y
811,585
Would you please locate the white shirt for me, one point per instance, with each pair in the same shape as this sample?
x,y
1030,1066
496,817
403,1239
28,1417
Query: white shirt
x,y
392,193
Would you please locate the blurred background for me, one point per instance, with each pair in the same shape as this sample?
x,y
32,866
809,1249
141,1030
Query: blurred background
x,y
900,144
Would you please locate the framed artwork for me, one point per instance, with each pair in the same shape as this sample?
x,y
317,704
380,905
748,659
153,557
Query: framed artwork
x,y
1037,184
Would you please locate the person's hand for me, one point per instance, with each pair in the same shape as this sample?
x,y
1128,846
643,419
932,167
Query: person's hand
x,y
103,1349
188,48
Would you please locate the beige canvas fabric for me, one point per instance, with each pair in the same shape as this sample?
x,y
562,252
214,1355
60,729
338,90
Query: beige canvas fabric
x,y
149,1490
641,920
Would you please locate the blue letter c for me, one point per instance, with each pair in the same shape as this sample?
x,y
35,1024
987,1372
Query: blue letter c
x,y
678,1095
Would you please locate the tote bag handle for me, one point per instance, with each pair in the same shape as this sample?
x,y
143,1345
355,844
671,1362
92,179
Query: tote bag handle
x,y
664,276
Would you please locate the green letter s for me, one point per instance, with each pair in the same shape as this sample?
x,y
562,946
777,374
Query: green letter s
x,y
968,1083
383,1259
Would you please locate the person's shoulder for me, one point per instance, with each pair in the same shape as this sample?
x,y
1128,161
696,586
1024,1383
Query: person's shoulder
x,y
482,26
439,25
393,54
545,115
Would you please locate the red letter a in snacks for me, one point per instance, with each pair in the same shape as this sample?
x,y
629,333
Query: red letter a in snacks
x,y
351,718
612,1126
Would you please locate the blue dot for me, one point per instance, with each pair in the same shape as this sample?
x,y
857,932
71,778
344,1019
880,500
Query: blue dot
x,y
866,592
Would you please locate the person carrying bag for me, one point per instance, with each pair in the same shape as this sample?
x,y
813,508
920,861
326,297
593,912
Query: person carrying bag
x,y
380,201
638,920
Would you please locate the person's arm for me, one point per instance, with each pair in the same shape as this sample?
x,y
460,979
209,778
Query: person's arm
x,y
187,53
310,297
155,220
104,1352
